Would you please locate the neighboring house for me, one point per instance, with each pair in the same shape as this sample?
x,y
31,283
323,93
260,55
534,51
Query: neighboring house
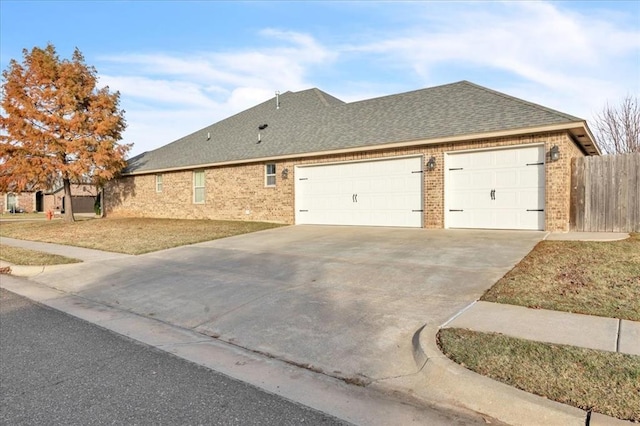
x,y
83,196
12,202
453,156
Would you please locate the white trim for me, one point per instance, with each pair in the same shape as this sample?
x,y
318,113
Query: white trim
x,y
419,157
161,182
267,175
204,187
494,148
362,160
446,180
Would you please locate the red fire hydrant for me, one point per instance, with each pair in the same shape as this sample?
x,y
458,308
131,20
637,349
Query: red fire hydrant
x,y
49,214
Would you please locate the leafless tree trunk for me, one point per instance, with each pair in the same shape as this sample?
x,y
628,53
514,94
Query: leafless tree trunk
x,y
618,127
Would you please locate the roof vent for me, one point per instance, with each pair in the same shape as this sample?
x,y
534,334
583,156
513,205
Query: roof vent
x,y
208,135
277,99
260,128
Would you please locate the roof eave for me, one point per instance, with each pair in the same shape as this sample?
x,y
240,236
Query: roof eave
x,y
587,142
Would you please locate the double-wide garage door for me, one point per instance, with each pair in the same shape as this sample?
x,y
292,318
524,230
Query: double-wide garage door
x,y
498,189
368,193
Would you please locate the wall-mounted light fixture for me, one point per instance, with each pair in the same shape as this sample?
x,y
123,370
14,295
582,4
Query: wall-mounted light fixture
x,y
554,153
285,173
431,164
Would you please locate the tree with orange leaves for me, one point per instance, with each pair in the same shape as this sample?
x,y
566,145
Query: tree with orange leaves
x,y
56,126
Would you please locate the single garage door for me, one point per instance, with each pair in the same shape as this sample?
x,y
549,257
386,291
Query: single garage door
x,y
81,203
498,189
368,193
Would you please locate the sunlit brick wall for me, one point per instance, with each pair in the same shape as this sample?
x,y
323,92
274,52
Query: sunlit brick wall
x,y
239,192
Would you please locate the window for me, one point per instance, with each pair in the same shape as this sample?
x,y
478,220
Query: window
x,y
158,183
270,174
198,187
12,202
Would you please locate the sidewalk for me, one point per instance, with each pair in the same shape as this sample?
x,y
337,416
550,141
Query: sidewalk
x,y
440,381
80,253
586,331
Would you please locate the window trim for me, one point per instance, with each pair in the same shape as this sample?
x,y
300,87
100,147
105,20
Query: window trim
x,y
159,182
267,175
203,187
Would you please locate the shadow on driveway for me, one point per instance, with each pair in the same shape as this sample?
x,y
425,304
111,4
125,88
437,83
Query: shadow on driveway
x,y
342,300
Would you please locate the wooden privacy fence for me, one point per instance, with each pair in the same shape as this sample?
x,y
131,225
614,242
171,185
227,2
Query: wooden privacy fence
x,y
605,193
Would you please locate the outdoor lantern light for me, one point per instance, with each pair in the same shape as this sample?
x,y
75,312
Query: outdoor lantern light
x,y
285,173
431,164
554,153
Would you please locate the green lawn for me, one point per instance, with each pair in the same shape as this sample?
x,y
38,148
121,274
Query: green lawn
x,y
605,382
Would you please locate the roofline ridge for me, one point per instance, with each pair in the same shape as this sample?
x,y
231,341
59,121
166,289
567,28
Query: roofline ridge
x,y
409,91
522,101
322,95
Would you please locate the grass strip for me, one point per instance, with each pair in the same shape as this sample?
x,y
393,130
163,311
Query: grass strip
x,y
21,256
594,278
22,216
130,235
605,382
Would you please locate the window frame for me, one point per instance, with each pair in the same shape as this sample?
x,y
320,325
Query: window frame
x,y
14,197
202,187
159,182
268,175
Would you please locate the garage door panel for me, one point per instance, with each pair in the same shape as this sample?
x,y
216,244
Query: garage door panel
x,y
505,158
532,199
460,179
375,193
506,199
532,176
505,178
496,189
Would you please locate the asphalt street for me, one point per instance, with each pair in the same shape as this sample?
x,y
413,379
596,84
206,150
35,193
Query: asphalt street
x,y
56,369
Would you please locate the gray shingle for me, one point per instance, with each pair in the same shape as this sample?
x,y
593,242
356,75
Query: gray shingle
x,y
313,121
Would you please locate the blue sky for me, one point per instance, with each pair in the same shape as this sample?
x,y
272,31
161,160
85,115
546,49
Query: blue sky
x,y
182,65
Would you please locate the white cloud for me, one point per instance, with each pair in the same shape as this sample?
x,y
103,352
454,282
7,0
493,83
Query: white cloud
x,y
549,53
173,93
202,88
555,53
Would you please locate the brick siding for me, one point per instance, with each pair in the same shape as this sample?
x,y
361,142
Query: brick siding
x,y
25,201
238,192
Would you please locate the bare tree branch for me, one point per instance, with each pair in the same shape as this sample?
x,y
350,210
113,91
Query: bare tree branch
x,y
618,127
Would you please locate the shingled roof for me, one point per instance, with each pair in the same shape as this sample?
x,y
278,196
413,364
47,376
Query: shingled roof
x,y
311,121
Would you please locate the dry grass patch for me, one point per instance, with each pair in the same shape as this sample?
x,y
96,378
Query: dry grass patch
x,y
21,256
605,382
22,216
595,278
130,235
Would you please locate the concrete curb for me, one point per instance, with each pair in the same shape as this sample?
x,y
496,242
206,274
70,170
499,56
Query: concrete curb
x,y
354,404
453,385
587,236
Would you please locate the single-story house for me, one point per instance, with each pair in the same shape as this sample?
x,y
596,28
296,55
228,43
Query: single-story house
x,y
83,197
453,156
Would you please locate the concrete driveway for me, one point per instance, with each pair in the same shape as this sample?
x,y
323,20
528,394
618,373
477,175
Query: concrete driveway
x,y
345,301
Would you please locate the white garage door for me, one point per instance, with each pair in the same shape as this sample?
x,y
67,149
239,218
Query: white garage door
x,y
369,193
501,189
